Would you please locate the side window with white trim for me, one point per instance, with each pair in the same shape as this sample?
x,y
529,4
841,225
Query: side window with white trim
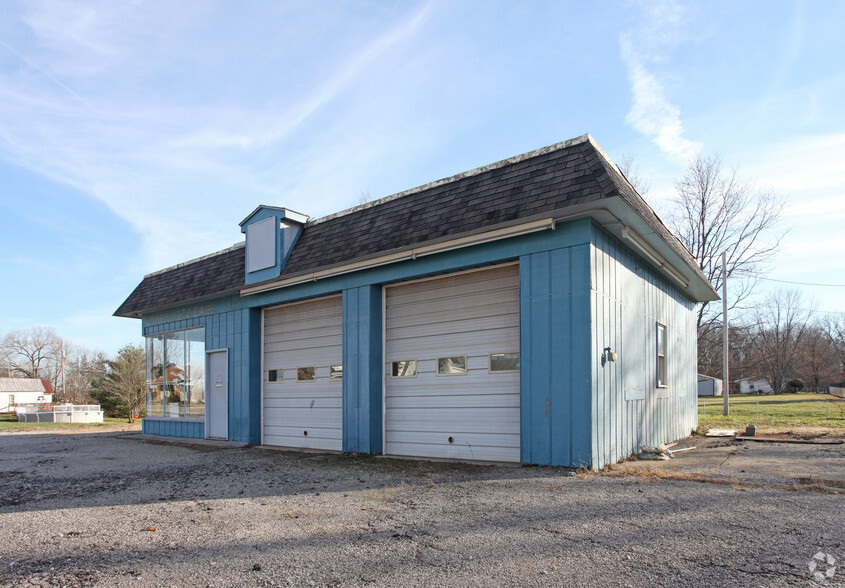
x,y
661,356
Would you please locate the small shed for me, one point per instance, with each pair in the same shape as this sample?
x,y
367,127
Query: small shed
x,y
755,385
15,391
709,386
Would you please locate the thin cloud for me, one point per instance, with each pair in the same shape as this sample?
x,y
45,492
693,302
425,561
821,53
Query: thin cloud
x,y
180,175
652,114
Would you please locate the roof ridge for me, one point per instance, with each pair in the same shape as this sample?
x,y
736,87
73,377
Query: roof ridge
x,y
585,138
190,261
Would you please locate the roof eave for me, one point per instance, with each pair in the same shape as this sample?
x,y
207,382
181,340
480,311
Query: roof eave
x,y
139,314
614,214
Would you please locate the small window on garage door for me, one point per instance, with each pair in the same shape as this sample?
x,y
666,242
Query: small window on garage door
x,y
403,368
504,363
453,365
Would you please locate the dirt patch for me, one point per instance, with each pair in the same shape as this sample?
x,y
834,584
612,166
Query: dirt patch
x,y
77,429
789,463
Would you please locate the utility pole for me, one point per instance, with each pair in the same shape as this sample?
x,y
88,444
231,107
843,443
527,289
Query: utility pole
x,y
63,368
78,385
725,357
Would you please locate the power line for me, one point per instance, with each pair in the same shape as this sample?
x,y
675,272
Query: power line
x,y
803,283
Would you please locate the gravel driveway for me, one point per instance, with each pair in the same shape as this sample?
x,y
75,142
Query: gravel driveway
x,y
110,509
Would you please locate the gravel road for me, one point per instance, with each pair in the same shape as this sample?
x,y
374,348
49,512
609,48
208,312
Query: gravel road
x,y
109,509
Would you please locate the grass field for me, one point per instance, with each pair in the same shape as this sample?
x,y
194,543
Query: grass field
x,y
781,412
10,423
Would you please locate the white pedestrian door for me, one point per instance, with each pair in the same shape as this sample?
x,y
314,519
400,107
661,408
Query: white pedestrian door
x,y
217,396
452,366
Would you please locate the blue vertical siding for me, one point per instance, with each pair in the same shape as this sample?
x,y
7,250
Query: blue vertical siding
x,y
362,373
238,331
165,428
555,403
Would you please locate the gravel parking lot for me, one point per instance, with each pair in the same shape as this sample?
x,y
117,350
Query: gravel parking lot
x,y
111,509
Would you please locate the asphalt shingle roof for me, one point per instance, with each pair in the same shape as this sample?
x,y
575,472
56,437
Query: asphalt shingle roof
x,y
546,180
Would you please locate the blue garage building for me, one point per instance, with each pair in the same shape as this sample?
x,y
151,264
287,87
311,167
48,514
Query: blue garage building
x,y
533,310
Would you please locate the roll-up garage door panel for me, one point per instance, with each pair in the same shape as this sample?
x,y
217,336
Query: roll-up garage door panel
x,y
325,439
319,357
471,451
305,334
455,287
299,313
461,344
490,420
476,439
470,314
439,321
326,401
314,419
315,340
451,401
441,310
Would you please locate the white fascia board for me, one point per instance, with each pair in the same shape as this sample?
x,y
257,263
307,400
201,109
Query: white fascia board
x,y
297,217
634,231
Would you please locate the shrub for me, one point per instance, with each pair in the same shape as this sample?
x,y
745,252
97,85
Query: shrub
x,y
796,385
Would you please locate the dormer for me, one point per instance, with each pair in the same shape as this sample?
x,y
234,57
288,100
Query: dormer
x,y
271,232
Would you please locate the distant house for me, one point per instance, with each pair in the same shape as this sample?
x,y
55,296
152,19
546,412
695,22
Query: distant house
x,y
709,386
534,310
15,391
755,385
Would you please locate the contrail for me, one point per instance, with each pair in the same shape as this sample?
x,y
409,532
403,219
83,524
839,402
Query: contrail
x,y
48,76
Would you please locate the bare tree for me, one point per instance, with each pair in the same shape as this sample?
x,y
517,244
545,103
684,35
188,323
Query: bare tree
x,y
834,326
631,171
30,353
364,196
714,212
781,325
124,379
819,357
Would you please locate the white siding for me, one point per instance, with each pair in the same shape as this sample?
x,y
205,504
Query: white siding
x,y
302,335
629,409
471,314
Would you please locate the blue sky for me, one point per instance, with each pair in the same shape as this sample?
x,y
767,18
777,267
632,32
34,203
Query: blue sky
x,y
136,135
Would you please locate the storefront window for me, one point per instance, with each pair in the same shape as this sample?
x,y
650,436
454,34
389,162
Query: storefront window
x,y
176,374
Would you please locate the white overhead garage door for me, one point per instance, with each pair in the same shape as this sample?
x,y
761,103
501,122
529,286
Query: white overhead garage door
x,y
452,366
302,385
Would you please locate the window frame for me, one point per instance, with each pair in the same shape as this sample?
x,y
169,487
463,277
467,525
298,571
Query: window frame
x,y
437,366
416,368
662,355
277,381
180,381
490,369
303,380
333,372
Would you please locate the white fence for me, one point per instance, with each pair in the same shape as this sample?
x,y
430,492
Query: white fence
x,y
840,392
59,413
